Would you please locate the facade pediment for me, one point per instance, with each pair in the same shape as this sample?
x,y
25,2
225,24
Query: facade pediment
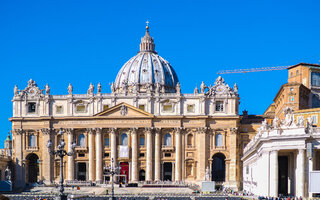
x,y
124,110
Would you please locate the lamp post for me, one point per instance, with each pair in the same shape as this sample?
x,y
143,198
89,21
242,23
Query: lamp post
x,y
61,153
112,170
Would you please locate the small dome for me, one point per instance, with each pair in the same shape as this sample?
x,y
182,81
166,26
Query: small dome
x,y
146,71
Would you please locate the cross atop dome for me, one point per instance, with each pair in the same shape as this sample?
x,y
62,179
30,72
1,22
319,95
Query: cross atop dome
x,y
147,44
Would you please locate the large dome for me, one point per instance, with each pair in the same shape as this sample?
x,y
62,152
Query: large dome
x,y
147,71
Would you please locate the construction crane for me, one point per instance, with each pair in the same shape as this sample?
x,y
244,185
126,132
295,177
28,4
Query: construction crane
x,y
234,71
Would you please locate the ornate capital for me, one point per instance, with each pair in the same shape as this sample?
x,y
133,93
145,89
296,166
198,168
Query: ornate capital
x,y
90,130
157,130
133,130
234,130
19,131
177,129
98,130
112,130
149,129
46,131
69,130
202,130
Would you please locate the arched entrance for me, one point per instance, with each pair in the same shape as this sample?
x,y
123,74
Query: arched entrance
x,y
142,175
33,168
218,167
124,171
167,171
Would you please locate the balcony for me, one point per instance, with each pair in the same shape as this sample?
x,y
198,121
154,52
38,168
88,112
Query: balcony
x,y
29,148
168,148
189,146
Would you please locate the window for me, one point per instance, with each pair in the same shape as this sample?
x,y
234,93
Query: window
x,y
59,109
82,142
291,98
106,141
219,140
141,155
81,155
142,140
31,107
297,72
81,108
124,139
291,74
247,169
32,140
291,89
167,108
167,155
167,140
314,119
106,154
190,108
141,107
190,140
245,130
219,106
315,78
105,107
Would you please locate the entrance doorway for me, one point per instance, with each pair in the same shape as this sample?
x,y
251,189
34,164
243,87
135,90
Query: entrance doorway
x,y
218,167
283,175
142,175
82,171
167,171
33,168
124,171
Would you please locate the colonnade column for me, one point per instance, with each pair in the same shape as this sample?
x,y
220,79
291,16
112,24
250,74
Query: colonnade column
x,y
113,146
310,169
91,154
70,158
274,173
300,173
98,156
47,159
149,154
178,154
134,175
157,155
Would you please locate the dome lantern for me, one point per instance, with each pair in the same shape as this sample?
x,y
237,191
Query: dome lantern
x,y
147,43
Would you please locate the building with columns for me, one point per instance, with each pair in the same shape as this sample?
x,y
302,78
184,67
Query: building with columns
x,y
151,129
283,158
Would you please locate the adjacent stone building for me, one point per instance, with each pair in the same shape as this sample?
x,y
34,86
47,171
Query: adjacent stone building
x,y
151,129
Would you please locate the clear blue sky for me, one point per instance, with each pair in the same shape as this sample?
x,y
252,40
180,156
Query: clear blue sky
x,y
61,42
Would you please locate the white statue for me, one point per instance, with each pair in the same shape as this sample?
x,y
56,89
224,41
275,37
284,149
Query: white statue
x,y
112,88
275,122
91,88
178,87
288,116
47,89
15,90
202,87
99,88
123,110
301,122
70,89
264,125
158,86
207,175
235,87
125,86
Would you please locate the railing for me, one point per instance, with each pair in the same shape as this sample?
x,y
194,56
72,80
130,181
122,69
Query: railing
x,y
190,146
165,147
29,148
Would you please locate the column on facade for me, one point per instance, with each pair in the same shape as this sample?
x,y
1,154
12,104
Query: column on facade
x,y
157,155
113,146
70,168
300,173
134,172
202,153
47,159
310,169
91,154
149,154
178,154
99,155
274,167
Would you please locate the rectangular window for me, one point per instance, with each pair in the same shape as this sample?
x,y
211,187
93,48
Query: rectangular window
x,y
142,141
247,169
59,109
291,98
31,107
245,130
190,108
105,107
167,108
106,142
81,155
314,119
167,155
141,107
315,78
219,106
141,155
81,108
106,154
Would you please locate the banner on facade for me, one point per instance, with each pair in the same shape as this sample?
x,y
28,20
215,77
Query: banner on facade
x,y
314,183
123,151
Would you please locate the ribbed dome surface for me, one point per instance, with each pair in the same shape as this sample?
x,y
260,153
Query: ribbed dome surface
x,y
147,69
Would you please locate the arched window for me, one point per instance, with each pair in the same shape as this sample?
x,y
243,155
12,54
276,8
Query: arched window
x,y
106,141
82,141
291,74
124,139
219,140
32,140
142,140
167,139
190,140
297,73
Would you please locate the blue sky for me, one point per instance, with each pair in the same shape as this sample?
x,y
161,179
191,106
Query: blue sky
x,y
61,42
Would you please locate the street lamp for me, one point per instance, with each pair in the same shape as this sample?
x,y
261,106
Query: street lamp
x,y
61,153
112,170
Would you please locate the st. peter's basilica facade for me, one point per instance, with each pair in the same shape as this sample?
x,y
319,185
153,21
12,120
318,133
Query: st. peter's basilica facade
x,y
151,129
